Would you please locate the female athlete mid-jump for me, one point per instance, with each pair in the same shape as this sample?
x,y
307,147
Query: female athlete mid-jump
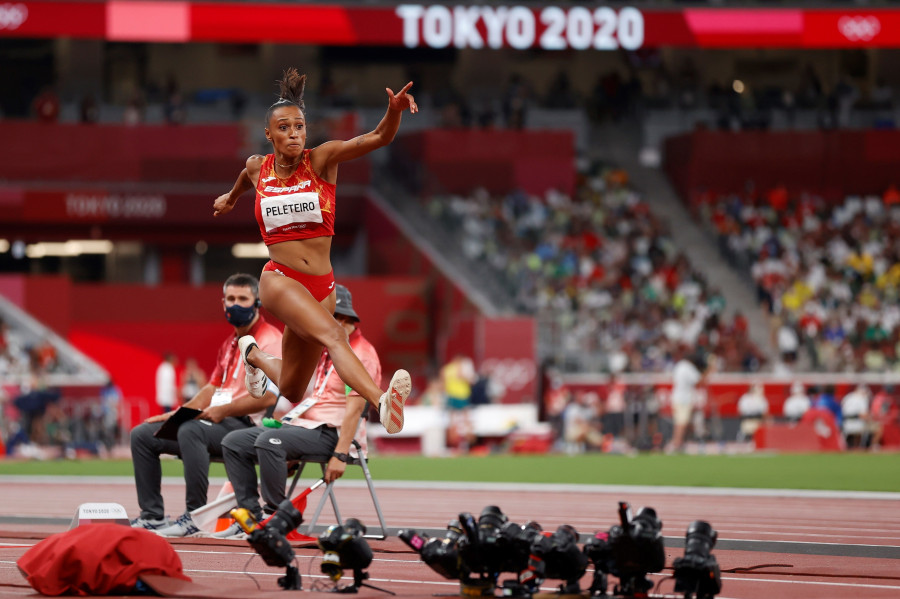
x,y
295,206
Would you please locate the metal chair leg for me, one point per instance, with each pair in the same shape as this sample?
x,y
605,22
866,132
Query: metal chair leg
x,y
371,485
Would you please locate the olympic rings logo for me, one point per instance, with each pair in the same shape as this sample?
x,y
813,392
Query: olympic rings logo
x,y
859,29
12,15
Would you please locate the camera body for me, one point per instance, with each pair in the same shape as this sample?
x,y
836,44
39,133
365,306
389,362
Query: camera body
x,y
597,551
632,549
270,541
476,551
697,572
557,555
441,554
495,544
344,548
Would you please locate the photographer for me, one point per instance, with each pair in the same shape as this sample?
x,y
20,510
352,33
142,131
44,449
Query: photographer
x,y
324,424
226,406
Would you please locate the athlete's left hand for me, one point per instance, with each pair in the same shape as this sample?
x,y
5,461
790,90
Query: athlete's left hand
x,y
402,100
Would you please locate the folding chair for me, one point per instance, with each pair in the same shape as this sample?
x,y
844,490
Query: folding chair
x,y
360,461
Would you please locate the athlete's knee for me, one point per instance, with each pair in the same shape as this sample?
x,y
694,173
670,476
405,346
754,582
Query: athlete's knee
x,y
331,335
294,382
293,389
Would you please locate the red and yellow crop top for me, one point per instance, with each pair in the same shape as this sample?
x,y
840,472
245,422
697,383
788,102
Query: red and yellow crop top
x,y
299,207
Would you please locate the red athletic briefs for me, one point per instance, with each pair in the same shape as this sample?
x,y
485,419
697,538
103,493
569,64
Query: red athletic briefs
x,y
320,286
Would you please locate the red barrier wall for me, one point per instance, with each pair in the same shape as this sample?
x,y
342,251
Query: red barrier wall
x,y
498,160
79,152
833,163
722,395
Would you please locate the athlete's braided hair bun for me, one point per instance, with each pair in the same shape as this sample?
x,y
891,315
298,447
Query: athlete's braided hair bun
x,y
290,92
291,87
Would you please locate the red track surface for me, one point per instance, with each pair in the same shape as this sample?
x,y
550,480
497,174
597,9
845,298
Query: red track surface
x,y
841,526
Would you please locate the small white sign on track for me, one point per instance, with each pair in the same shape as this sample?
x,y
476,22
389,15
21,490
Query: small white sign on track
x,y
97,513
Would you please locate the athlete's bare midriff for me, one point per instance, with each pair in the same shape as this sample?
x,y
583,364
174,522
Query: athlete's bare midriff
x,y
309,256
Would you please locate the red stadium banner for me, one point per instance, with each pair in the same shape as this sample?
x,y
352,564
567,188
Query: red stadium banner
x,y
851,29
551,27
53,19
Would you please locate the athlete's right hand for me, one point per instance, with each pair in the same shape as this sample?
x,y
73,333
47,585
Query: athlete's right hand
x,y
223,204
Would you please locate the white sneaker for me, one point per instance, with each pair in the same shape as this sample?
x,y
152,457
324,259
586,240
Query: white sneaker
x,y
254,379
390,409
150,524
184,527
233,532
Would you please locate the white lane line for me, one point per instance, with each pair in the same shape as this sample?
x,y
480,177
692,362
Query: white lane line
x,y
456,583
558,488
814,582
377,559
820,543
802,534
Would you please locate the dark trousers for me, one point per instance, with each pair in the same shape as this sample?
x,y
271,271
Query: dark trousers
x,y
198,440
272,448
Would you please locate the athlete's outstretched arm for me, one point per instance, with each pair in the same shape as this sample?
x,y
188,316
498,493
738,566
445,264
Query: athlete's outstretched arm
x,y
245,182
327,156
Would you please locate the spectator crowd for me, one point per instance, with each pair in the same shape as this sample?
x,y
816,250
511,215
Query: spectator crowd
x,y
610,289
828,274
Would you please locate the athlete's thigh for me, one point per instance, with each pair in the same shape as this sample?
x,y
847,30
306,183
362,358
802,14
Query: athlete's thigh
x,y
299,358
293,304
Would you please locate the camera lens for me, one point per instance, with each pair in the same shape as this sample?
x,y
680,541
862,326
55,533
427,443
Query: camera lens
x,y
647,519
354,527
566,533
597,550
468,526
442,556
413,539
454,531
286,519
697,572
565,560
531,528
492,517
700,538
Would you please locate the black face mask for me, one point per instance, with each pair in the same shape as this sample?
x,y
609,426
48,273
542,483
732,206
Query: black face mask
x,y
239,316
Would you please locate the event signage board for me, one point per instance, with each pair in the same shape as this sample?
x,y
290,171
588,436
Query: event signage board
x,y
575,27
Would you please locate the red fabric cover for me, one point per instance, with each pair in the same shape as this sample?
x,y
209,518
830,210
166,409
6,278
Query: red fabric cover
x,y
98,559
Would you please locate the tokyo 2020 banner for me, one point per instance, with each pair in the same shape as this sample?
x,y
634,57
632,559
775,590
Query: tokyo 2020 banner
x,y
551,27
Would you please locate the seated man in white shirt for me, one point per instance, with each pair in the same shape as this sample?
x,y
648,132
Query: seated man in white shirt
x,y
855,410
797,403
753,407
